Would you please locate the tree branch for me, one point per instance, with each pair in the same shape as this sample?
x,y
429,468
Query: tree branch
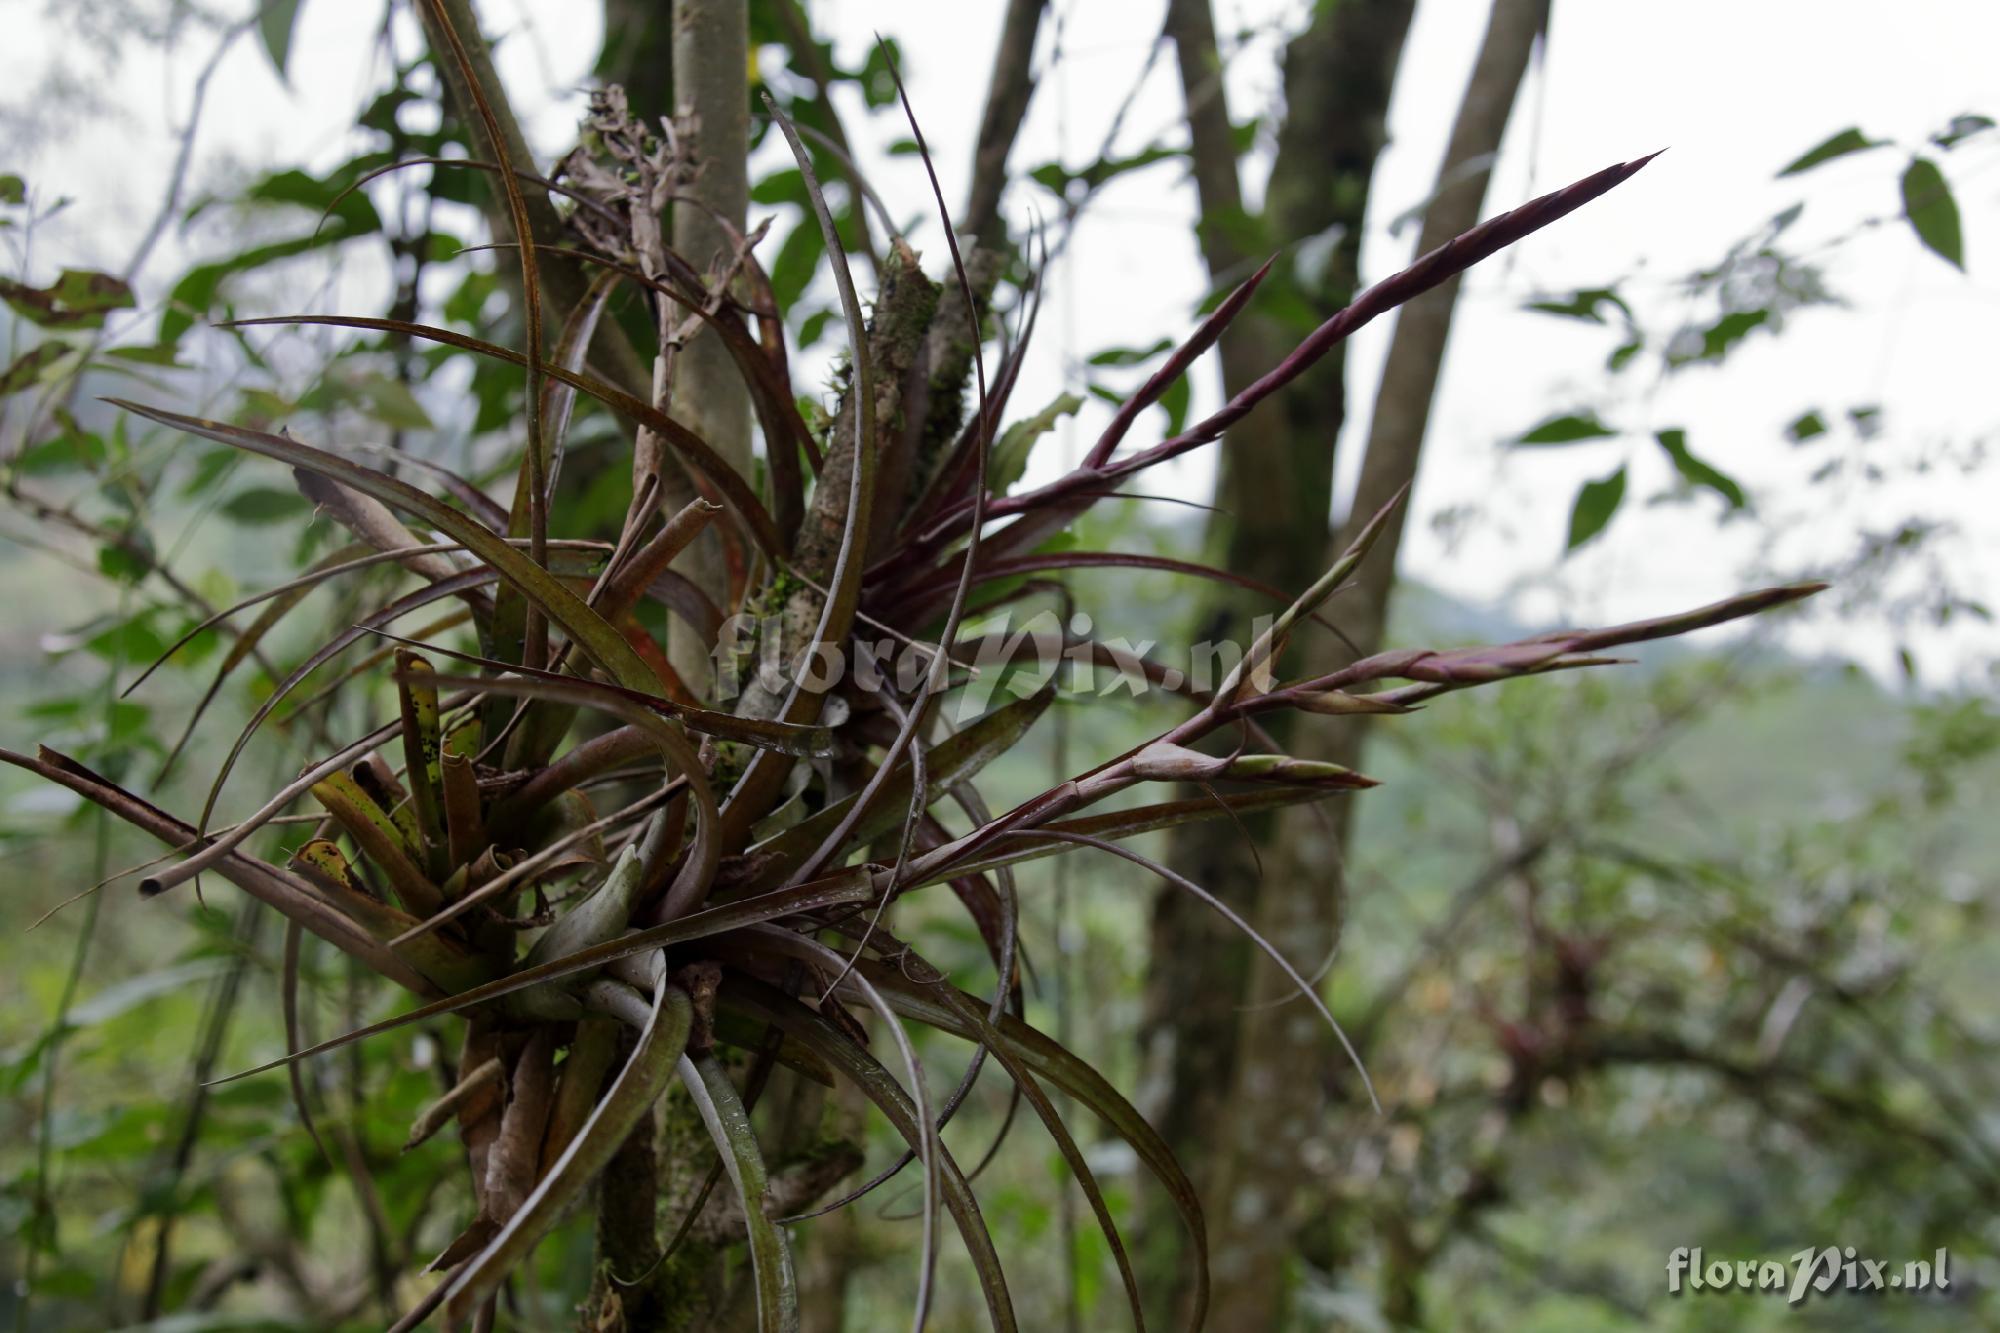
x,y
1007,95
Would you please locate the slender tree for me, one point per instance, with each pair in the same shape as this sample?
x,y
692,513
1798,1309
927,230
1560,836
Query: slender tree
x,y
1270,1110
1274,482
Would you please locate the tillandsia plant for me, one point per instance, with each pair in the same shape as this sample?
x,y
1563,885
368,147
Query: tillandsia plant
x,y
736,893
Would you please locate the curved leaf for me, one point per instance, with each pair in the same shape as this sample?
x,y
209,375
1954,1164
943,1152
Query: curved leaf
x,y
1074,1076
1933,213
1595,503
591,631
819,1035
846,887
749,509
639,1084
1850,140
729,1126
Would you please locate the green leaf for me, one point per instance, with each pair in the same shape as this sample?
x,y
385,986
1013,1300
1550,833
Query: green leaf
x,y
1806,426
1961,128
1841,144
123,563
390,402
1721,337
194,295
29,368
1058,179
1131,356
132,640
1927,202
163,355
122,996
798,257
275,21
1568,429
13,190
876,77
1175,398
74,448
331,194
601,641
264,504
781,187
1697,473
1585,303
78,299
813,327
1011,450
1595,504
1053,177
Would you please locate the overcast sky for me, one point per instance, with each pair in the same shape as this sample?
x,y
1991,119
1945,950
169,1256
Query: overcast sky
x,y
1734,89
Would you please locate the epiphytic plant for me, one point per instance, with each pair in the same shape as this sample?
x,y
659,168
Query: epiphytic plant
x,y
735,895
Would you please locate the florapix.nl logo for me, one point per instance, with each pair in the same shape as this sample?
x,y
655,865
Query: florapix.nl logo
x,y
1821,1270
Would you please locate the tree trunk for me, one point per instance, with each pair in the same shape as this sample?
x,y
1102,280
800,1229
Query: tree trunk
x,y
1276,469
711,62
1007,100
563,280
638,55
1272,1109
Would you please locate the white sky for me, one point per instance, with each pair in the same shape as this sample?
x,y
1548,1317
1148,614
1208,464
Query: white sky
x,y
1734,89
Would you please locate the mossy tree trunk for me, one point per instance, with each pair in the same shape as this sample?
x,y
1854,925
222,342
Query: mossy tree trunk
x,y
1277,469
1256,1185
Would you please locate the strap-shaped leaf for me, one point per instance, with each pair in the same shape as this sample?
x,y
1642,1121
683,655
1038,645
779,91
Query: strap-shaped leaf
x,y
697,872
804,742
989,1038
276,887
749,509
950,762
1033,844
558,406
345,560
591,631
848,886
763,777
373,832
1075,1076
285,598
805,947
402,606
662,1043
852,1061
729,1126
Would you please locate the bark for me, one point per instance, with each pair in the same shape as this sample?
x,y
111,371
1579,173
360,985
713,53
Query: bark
x,y
638,55
1273,1109
711,55
563,281
1276,469
1007,98
625,1292
1416,351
